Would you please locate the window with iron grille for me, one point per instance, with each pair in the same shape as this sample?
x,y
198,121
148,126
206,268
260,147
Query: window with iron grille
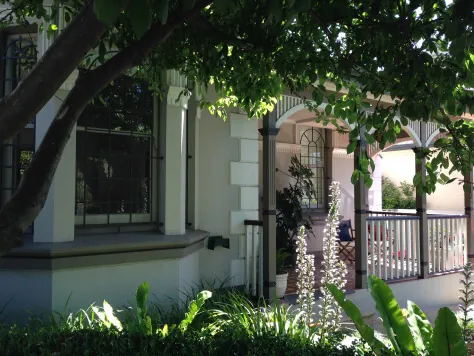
x,y
312,155
19,57
116,156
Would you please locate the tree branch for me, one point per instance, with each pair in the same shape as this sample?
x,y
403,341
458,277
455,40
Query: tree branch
x,y
53,68
28,200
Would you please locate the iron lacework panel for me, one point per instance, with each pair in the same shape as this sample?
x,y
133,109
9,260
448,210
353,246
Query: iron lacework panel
x,y
19,57
115,156
312,156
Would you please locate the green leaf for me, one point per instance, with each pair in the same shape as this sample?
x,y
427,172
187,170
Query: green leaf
x,y
447,335
367,333
194,308
396,326
140,298
420,326
109,314
355,176
139,13
352,147
328,109
162,10
107,11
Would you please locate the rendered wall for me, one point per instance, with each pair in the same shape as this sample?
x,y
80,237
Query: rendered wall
x,y
343,166
228,190
116,284
23,290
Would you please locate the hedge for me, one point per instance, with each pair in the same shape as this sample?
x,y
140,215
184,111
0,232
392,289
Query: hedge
x,y
18,342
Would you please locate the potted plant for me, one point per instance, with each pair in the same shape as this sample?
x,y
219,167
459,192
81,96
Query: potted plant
x,y
281,273
291,214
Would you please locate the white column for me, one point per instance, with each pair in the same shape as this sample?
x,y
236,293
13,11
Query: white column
x,y
173,158
55,223
194,116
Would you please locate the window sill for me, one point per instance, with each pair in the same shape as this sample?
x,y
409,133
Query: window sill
x,y
103,249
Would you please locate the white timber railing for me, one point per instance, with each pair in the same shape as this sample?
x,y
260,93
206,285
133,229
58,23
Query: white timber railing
x,y
393,244
447,240
253,249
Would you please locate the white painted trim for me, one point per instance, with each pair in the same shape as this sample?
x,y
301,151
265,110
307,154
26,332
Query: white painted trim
x,y
323,105
432,137
176,97
342,153
283,147
101,219
299,107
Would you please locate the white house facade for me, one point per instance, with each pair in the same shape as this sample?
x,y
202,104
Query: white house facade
x,y
162,195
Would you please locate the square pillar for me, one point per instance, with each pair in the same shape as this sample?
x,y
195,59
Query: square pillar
x,y
468,206
55,223
269,133
421,204
360,217
173,157
194,116
421,212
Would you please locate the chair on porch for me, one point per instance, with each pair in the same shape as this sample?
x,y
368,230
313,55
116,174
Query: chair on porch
x,y
346,241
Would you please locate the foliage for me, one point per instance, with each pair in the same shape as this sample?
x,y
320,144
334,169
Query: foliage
x,y
467,301
418,53
290,209
281,257
305,281
409,331
401,197
233,325
333,269
16,342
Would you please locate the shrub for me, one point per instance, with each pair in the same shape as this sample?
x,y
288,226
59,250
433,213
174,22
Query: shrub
x,y
16,342
401,197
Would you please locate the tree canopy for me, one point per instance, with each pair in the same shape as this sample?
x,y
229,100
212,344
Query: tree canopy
x,y
252,51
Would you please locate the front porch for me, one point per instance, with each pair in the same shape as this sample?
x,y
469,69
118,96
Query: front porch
x,y
394,254
393,246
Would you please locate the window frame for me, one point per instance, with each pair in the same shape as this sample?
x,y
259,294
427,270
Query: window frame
x,y
110,220
10,151
318,179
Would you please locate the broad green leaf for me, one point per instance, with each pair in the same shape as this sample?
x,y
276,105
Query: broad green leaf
x,y
194,308
109,313
328,109
351,147
162,10
355,176
139,13
447,335
140,298
396,326
107,11
420,326
367,333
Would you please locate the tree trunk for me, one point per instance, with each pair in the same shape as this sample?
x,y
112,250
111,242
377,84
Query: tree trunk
x,y
25,205
53,68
